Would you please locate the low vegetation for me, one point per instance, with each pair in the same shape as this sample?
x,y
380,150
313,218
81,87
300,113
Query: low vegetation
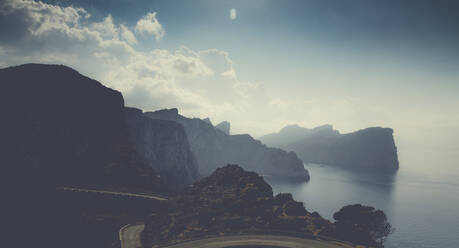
x,y
233,201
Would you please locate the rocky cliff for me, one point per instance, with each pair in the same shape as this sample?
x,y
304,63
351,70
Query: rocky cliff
x,y
229,201
58,128
63,128
370,149
165,147
213,148
224,126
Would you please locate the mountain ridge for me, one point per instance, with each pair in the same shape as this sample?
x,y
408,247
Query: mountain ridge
x,y
214,148
368,149
165,147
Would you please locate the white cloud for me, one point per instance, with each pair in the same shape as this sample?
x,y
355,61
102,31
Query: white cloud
x,y
37,18
200,83
127,35
149,24
107,29
233,14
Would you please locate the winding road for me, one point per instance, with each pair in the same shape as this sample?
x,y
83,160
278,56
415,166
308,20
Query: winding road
x,y
149,197
260,240
130,238
130,234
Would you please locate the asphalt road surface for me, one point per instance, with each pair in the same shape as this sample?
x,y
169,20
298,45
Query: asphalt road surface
x,y
151,197
260,241
130,238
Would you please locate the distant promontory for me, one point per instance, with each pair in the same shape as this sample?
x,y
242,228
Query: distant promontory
x,y
367,149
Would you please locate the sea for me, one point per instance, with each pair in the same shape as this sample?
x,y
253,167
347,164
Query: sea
x,y
421,202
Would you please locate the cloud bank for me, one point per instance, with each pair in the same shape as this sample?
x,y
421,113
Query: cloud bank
x,y
150,25
200,83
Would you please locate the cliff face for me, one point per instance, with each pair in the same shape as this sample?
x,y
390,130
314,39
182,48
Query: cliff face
x,y
165,147
371,148
294,133
62,128
224,126
213,148
229,201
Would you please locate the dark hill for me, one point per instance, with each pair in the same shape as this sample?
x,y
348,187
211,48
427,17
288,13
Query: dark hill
x,y
233,201
230,201
61,127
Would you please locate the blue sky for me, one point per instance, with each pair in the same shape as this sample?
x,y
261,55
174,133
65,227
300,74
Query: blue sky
x,y
413,28
352,64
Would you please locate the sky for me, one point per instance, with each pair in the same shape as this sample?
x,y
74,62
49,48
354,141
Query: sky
x,y
260,64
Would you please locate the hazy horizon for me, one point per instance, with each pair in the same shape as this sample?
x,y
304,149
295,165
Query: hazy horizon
x,y
261,65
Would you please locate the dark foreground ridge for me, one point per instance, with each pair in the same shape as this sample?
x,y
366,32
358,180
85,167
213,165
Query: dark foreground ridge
x,y
232,201
60,128
63,128
229,201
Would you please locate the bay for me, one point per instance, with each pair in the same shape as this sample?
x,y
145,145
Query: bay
x,y
424,209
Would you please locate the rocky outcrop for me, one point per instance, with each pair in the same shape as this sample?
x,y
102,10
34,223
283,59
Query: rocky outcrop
x,y
294,133
164,146
368,149
213,148
229,201
232,201
224,126
63,128
60,128
207,120
361,225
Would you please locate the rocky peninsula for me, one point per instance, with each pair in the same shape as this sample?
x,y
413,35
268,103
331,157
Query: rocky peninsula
x,y
371,149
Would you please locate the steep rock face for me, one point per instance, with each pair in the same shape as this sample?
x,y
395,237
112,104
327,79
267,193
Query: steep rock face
x,y
207,120
294,133
63,128
370,148
231,200
213,148
60,128
224,126
165,147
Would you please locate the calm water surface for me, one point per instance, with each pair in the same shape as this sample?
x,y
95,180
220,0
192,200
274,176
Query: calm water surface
x,y
423,209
